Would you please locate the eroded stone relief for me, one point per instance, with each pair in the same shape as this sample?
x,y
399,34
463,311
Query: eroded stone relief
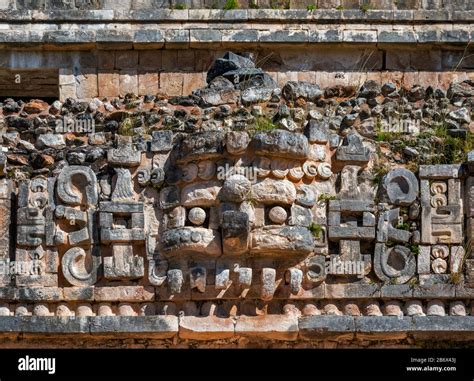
x,y
206,204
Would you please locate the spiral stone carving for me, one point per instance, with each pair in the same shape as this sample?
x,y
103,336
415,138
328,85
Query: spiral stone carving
x,y
324,171
206,170
279,168
295,172
263,165
310,169
80,268
440,251
190,172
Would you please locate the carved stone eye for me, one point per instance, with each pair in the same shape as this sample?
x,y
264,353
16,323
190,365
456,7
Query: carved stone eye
x,y
197,216
39,200
38,185
143,176
278,215
157,176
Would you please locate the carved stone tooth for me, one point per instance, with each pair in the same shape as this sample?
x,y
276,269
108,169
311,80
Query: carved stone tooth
x,y
175,280
268,283
295,280
74,266
245,277
157,271
198,276
222,278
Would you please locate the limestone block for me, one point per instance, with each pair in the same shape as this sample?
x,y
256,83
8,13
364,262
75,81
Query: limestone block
x,y
191,239
274,191
87,84
148,82
282,143
128,81
200,194
171,83
108,83
281,240
205,328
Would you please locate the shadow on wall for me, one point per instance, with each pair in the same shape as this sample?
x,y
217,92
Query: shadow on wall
x,y
96,73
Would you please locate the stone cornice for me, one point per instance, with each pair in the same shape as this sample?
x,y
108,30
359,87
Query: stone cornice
x,y
322,16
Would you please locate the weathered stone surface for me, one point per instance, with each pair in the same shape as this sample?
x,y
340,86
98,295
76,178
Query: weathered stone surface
x,y
294,90
235,232
218,96
236,188
273,191
200,194
278,240
282,143
55,141
414,308
317,131
123,294
401,186
205,328
352,150
231,209
162,141
190,239
201,145
229,62
275,327
157,326
382,326
326,326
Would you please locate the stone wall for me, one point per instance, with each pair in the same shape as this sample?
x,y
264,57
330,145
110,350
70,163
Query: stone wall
x,y
314,188
112,52
85,74
243,210
244,4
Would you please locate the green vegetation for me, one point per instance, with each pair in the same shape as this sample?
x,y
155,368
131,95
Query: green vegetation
x,y
253,5
413,166
179,6
384,136
280,4
262,124
231,4
403,226
365,8
311,7
455,278
126,127
316,230
340,8
326,197
415,249
447,149
11,173
379,172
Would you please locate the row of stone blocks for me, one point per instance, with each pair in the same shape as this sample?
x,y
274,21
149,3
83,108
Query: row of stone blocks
x,y
288,327
415,307
158,36
150,293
